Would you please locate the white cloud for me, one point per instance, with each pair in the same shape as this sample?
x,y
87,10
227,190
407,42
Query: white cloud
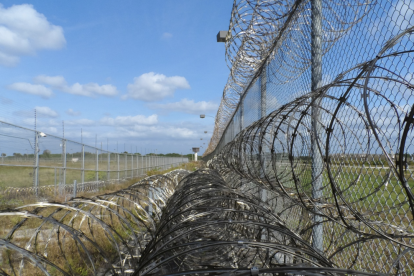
x,y
8,60
166,36
50,130
57,82
153,87
89,90
188,106
130,120
72,112
41,112
84,122
163,132
34,89
23,31
44,111
53,122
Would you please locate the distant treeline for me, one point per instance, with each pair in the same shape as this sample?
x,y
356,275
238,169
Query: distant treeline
x,y
48,154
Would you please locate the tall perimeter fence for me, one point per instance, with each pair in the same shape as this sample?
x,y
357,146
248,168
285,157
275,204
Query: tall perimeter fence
x,y
319,109
32,162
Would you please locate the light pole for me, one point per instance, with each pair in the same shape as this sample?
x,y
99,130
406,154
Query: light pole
x,y
202,116
36,174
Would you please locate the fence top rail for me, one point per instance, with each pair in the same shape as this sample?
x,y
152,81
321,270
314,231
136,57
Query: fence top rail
x,y
79,143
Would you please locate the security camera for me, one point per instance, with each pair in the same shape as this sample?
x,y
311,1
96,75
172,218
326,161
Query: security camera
x,y
42,134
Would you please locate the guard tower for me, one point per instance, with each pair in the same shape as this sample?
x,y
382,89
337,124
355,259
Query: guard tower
x,y
195,150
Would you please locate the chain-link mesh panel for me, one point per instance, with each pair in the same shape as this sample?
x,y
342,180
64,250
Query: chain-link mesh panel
x,y
33,162
335,129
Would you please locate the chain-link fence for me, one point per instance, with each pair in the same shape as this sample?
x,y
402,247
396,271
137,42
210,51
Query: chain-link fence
x,y
32,161
319,109
269,51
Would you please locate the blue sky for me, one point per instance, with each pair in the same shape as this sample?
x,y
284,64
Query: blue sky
x,y
137,73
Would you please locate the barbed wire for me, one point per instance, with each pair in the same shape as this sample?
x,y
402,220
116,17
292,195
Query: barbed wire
x,y
274,37
366,143
105,233
211,222
210,228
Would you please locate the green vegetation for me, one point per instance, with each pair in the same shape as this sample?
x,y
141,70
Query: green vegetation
x,y
17,171
21,176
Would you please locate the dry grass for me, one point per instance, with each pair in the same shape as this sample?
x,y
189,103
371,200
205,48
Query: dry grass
x,y
7,201
64,251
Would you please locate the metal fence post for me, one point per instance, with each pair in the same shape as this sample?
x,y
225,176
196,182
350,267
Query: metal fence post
x,y
36,170
55,183
317,165
241,113
83,167
75,188
126,166
64,162
97,165
118,164
263,80
132,166
150,197
109,166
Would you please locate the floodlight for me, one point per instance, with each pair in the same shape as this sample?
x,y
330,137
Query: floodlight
x,y
42,134
202,116
221,36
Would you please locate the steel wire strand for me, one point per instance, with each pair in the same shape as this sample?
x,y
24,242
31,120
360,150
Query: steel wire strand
x,y
209,228
261,31
363,123
111,229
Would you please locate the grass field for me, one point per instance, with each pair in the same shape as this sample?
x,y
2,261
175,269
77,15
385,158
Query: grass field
x,y
11,202
20,172
373,188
